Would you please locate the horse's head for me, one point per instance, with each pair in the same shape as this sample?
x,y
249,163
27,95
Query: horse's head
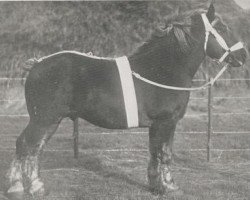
x,y
219,41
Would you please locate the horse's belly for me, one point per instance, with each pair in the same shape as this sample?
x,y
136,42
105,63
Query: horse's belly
x,y
104,109
100,97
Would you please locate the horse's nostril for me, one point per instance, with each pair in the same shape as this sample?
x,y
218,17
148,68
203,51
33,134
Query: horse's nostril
x,y
243,57
245,54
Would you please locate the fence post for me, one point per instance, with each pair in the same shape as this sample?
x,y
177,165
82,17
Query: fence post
x,y
75,138
210,127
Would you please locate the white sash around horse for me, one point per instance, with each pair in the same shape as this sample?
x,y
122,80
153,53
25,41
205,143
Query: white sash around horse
x,y
128,90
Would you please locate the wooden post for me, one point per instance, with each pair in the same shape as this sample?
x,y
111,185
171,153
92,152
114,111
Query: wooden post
x,y
76,137
210,128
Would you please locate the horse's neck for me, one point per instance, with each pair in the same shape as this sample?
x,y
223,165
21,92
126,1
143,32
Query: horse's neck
x,y
168,69
154,67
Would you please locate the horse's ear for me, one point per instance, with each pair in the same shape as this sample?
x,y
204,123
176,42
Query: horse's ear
x,y
211,12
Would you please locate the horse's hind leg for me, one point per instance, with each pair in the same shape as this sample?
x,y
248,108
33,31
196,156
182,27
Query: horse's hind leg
x,y
160,144
15,178
15,174
28,148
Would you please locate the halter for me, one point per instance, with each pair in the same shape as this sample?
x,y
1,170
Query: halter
x,y
208,30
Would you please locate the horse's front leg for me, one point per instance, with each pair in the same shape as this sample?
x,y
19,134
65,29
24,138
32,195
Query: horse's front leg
x,y
161,135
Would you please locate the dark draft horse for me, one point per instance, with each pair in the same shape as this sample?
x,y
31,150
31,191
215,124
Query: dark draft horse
x,y
67,84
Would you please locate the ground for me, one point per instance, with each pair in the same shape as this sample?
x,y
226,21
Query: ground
x,y
112,164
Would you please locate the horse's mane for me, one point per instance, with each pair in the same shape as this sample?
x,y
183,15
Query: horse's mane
x,y
176,28
175,32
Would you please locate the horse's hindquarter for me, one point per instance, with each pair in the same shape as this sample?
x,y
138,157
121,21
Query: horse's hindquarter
x,y
98,94
49,90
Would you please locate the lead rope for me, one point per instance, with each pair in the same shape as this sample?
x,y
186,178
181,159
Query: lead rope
x,y
211,82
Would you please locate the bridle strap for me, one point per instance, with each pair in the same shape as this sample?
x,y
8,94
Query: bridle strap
x,y
235,47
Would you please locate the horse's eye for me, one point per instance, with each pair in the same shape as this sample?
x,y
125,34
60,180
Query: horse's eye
x,y
220,30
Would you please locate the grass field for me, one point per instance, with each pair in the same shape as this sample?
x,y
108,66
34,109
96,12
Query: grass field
x,y
112,163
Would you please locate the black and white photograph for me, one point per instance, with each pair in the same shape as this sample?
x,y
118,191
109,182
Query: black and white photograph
x,y
125,100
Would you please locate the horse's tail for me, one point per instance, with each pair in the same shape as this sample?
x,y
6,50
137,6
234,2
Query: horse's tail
x,y
30,63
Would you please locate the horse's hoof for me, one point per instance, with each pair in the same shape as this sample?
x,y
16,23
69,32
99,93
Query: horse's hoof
x,y
15,192
161,189
38,193
37,189
171,186
15,195
157,190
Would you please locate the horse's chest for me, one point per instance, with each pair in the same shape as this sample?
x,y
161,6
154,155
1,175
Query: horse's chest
x,y
167,105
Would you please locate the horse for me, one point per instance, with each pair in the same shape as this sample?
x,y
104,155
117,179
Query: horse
x,y
77,85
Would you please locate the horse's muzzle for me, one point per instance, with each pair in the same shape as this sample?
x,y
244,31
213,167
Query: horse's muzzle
x,y
238,58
